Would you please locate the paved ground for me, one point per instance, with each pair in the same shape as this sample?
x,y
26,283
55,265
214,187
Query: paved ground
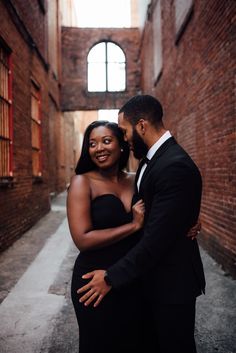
x,y
36,314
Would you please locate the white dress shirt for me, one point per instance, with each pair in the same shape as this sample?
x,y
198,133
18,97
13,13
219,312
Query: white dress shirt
x,y
151,153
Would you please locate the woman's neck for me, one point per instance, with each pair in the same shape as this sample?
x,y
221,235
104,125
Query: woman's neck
x,y
112,174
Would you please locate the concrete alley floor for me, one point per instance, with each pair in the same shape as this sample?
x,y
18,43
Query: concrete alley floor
x,y
36,313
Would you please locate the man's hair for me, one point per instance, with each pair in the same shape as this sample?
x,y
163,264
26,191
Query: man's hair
x,y
143,107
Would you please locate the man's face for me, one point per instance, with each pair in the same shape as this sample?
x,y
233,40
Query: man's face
x,y
136,143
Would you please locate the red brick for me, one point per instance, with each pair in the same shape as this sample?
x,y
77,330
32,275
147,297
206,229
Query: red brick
x,y
27,201
197,89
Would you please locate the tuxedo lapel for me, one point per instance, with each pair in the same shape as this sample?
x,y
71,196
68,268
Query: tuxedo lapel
x,y
171,141
141,163
138,172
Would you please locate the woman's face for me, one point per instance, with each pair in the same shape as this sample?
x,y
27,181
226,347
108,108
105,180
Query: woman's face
x,y
104,148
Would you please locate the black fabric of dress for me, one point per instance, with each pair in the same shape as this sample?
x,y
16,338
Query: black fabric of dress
x,y
117,325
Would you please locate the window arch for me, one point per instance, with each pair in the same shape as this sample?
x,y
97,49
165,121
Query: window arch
x,y
106,68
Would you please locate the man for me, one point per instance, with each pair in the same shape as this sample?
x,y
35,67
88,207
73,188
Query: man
x,y
167,262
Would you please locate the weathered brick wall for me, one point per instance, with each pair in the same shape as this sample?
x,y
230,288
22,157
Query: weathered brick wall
x,y
56,162
34,19
27,200
197,89
76,43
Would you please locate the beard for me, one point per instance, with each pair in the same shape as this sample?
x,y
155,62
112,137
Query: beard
x,y
140,148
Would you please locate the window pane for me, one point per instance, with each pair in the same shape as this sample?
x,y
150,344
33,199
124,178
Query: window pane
x,y
116,77
4,119
5,115
34,108
97,54
4,158
115,53
96,77
36,163
35,129
4,81
102,76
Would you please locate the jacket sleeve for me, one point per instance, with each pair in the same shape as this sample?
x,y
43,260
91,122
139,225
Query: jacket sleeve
x,y
174,209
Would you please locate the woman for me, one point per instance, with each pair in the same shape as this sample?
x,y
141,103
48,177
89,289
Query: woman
x,y
104,228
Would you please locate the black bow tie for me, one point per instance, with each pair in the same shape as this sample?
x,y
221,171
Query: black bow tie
x,y
143,161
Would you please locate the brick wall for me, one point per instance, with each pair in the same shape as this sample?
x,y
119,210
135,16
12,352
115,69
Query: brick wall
x,y
197,89
76,43
32,15
28,199
56,160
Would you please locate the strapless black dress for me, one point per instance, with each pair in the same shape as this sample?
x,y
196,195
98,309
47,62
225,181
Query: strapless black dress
x,y
117,324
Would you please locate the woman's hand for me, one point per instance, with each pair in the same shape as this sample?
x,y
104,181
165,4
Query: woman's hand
x,y
138,210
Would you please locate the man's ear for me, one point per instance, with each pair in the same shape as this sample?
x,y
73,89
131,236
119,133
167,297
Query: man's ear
x,y
141,126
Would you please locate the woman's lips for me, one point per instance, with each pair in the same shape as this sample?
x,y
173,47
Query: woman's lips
x,y
102,158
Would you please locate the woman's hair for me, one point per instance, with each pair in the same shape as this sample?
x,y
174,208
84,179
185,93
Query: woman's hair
x,y
85,163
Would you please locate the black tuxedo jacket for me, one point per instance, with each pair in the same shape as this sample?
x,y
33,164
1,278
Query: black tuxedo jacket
x,y
165,259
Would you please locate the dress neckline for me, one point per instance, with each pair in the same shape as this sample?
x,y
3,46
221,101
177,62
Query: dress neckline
x,y
113,195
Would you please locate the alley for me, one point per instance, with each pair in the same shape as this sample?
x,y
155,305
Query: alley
x,y
36,314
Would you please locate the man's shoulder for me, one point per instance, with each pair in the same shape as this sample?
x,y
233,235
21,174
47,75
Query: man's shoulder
x,y
176,159
177,154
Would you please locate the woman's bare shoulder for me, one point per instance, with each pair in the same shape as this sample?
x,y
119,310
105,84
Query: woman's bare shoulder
x,y
79,181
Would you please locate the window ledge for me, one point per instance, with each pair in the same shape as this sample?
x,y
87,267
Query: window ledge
x,y
7,182
37,180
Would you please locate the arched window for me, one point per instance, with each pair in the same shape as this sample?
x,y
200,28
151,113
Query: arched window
x,y
106,68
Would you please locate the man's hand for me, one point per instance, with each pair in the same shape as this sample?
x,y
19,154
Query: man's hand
x,y
195,230
95,290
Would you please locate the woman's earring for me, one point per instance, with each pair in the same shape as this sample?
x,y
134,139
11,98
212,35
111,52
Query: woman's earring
x,y
121,150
